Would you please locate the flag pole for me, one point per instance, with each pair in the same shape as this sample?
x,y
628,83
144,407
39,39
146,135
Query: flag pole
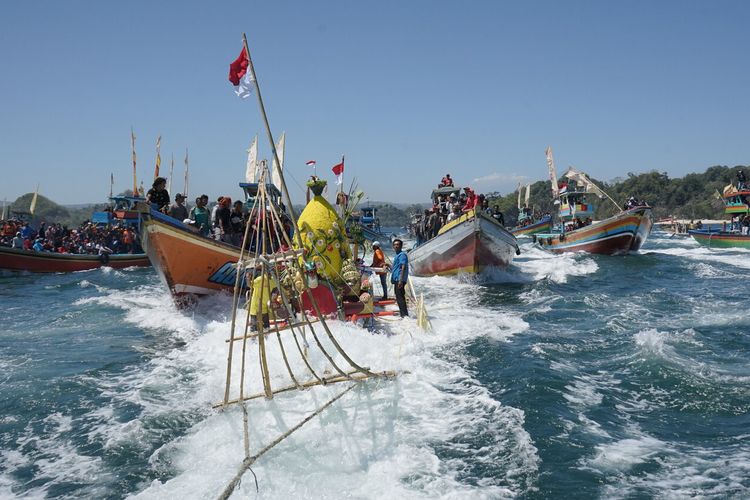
x,y
284,190
158,157
186,173
111,183
171,171
341,188
135,177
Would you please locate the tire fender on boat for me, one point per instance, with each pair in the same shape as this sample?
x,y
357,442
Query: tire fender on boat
x,y
562,236
533,238
104,258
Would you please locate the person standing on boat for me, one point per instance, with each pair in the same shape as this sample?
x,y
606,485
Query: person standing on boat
x,y
399,276
741,180
199,214
178,209
223,229
158,194
378,261
238,223
498,215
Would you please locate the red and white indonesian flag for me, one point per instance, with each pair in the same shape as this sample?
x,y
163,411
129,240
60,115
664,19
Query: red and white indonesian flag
x,y
338,171
310,163
240,76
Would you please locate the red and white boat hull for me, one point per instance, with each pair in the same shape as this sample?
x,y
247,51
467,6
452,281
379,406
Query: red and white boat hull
x,y
468,245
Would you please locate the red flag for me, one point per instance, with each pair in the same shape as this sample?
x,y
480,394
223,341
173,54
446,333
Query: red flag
x,y
338,169
238,68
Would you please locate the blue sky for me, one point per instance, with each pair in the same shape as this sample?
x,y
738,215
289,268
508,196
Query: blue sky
x,y
406,90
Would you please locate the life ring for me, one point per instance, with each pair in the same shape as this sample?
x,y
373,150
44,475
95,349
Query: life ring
x,y
104,258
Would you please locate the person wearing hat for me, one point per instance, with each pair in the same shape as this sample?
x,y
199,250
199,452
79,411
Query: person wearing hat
x,y
178,210
378,261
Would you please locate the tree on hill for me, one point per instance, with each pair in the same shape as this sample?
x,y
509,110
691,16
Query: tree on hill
x,y
690,197
50,212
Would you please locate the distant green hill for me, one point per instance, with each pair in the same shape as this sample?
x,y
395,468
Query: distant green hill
x,y
689,197
49,211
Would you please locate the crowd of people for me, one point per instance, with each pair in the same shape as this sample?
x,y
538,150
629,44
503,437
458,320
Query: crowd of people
x,y
448,207
226,221
89,238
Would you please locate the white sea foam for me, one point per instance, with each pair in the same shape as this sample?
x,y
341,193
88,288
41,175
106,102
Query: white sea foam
x,y
412,437
540,264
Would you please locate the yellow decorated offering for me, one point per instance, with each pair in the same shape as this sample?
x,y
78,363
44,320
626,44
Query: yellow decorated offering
x,y
323,236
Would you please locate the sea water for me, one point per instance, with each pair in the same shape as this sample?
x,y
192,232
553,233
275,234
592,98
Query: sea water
x,y
564,376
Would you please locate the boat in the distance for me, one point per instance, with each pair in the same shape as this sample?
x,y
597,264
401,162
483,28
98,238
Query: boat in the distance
x,y
122,213
368,223
734,233
528,223
468,244
617,235
15,259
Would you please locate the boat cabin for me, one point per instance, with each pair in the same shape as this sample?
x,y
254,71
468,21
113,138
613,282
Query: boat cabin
x,y
576,205
251,192
368,218
736,202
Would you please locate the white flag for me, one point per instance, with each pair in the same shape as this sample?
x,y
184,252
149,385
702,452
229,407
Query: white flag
x,y
246,86
277,169
552,172
252,162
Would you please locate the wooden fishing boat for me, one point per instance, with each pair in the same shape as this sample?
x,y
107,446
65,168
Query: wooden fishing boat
x,y
188,263
15,259
368,224
736,205
541,226
469,244
618,235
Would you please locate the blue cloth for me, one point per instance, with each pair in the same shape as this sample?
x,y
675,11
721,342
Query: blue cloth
x,y
38,247
398,261
26,232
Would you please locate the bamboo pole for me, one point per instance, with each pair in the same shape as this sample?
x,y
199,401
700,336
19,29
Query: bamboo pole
x,y
284,189
249,461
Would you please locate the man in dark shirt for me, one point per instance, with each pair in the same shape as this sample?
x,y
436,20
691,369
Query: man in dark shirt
x,y
158,194
224,221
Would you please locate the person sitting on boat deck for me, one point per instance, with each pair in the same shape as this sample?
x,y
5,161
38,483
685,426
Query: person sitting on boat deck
x,y
446,181
378,261
158,194
38,246
17,241
178,209
399,276
237,221
455,214
498,215
486,207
